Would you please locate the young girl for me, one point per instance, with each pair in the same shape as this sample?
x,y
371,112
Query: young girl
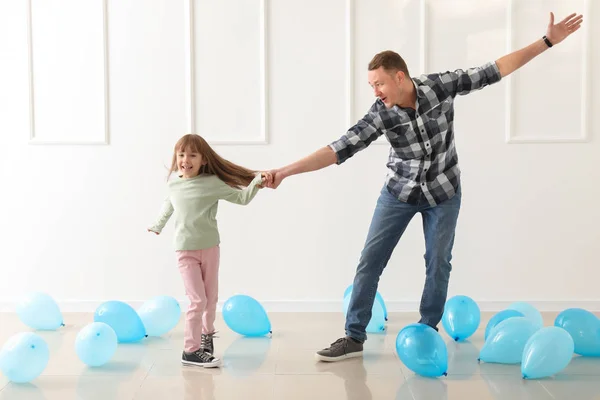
x,y
204,178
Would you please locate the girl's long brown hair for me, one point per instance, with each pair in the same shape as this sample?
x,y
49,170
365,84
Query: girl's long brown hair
x,y
230,173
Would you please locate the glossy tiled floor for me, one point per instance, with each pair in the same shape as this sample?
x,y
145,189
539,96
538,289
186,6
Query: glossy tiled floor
x,y
283,368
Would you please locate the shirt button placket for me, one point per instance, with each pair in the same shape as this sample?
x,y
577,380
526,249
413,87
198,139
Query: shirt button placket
x,y
425,139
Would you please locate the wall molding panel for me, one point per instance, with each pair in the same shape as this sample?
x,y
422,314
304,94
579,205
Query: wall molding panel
x,y
84,120
585,99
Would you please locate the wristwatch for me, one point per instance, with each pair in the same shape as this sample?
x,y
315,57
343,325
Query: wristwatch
x,y
548,43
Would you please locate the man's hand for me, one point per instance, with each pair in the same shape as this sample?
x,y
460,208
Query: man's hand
x,y
274,178
559,32
266,177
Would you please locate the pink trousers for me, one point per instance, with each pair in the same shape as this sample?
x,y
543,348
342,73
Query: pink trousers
x,y
200,272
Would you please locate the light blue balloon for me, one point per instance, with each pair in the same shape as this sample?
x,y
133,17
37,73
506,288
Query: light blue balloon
x,y
377,322
96,344
546,353
461,317
529,312
507,340
499,317
24,357
159,315
40,311
584,328
378,297
246,316
123,319
422,350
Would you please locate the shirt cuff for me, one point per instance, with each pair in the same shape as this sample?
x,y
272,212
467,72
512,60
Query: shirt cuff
x,y
338,146
491,69
257,179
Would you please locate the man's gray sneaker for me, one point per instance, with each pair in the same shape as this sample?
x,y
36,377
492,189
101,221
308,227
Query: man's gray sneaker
x,y
341,349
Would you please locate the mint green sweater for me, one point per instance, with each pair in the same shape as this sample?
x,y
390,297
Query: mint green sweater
x,y
194,203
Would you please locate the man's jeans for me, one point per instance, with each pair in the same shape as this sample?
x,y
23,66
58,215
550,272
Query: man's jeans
x,y
390,219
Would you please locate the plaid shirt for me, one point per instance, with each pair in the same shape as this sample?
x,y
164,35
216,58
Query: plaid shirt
x,y
423,159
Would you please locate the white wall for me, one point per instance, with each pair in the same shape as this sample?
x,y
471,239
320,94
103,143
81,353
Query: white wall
x,y
74,216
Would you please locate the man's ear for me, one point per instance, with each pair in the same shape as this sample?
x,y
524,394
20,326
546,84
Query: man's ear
x,y
400,76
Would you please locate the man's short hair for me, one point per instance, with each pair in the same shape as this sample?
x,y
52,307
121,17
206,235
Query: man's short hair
x,y
390,61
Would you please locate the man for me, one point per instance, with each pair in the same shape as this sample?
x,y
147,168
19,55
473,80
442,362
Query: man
x,y
416,116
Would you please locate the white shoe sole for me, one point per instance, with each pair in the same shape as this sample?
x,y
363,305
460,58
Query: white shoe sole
x,y
215,364
340,358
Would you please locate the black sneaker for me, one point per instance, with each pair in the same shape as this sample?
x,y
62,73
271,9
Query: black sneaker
x,y
206,342
341,349
200,358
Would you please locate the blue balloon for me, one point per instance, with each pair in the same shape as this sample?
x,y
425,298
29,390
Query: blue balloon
x,y
378,297
96,343
159,315
461,317
40,311
246,316
24,357
377,321
123,319
422,350
546,353
529,312
584,328
499,317
507,340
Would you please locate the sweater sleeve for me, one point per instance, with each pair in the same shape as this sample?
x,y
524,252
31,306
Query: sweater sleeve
x,y
240,196
165,214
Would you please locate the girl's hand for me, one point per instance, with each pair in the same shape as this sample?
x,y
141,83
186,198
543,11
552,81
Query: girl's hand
x,y
156,233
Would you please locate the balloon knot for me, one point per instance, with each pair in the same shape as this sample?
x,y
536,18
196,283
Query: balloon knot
x,y
445,374
386,319
479,360
63,324
145,335
524,376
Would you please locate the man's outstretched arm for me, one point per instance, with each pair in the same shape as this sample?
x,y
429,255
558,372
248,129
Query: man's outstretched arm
x,y
356,139
462,82
555,34
324,157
